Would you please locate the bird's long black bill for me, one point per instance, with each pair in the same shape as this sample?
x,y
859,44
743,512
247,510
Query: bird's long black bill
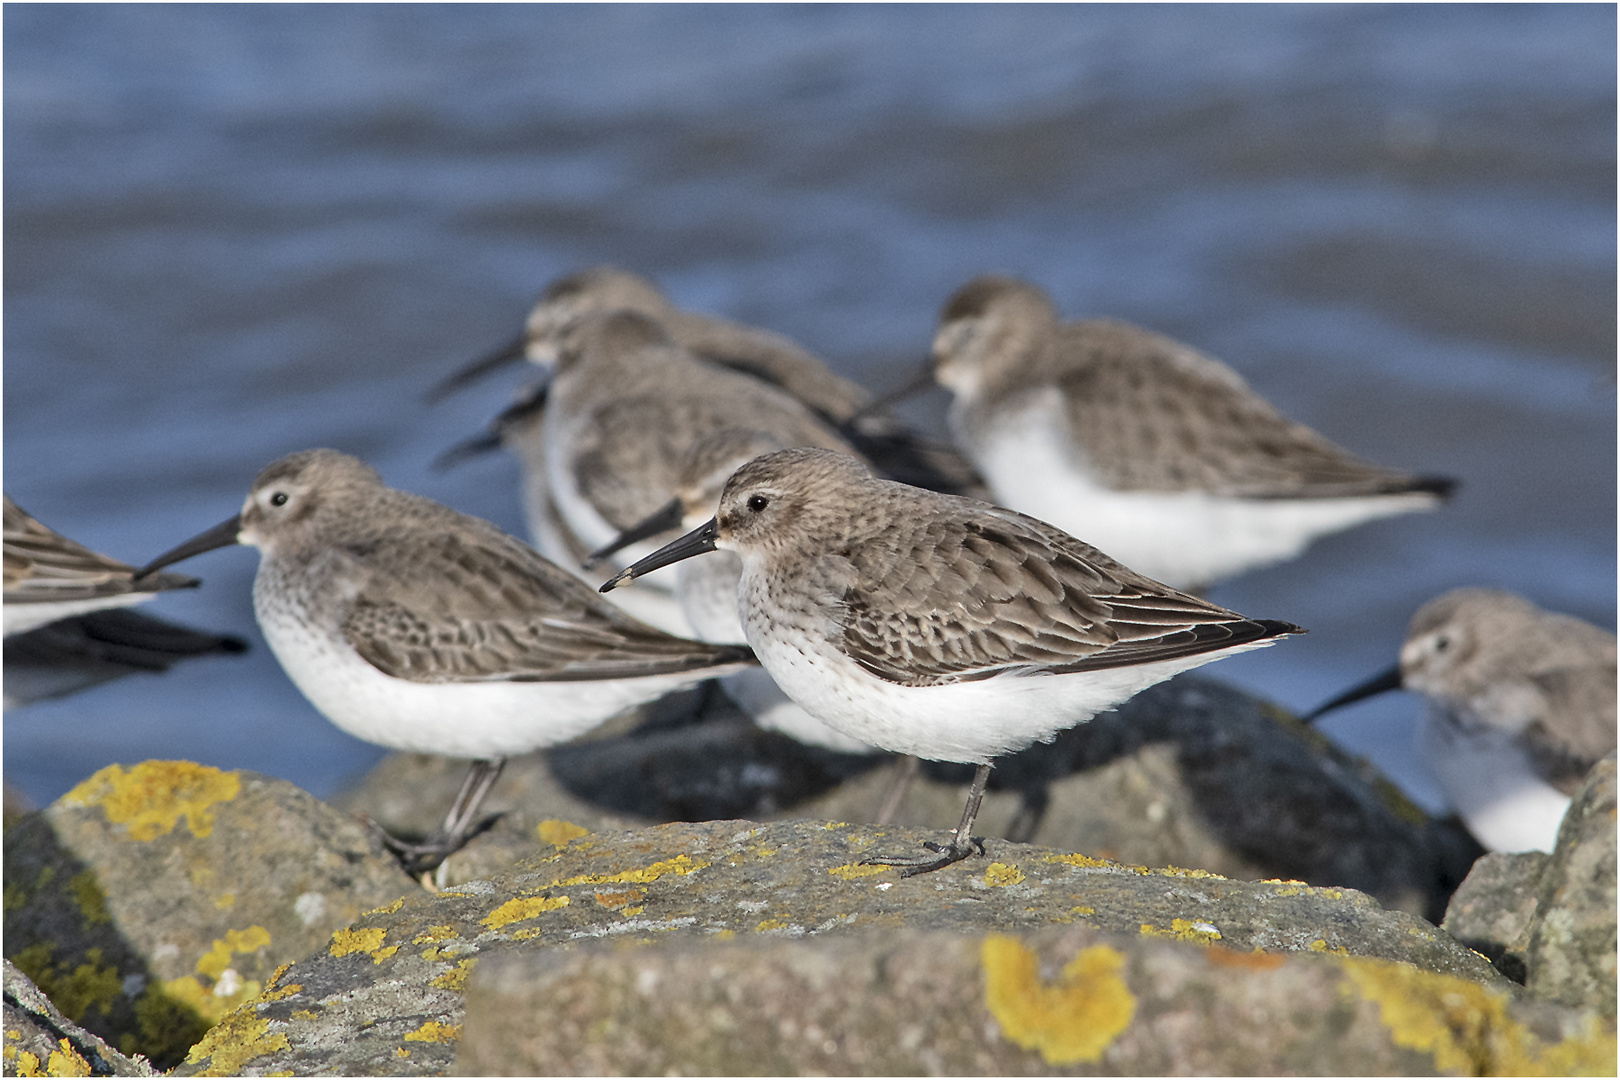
x,y
509,353
696,542
532,401
663,519
222,535
923,379
1385,680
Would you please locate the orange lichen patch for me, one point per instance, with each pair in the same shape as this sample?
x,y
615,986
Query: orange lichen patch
x,y
367,940
456,978
527,908
233,1042
1071,1021
152,797
851,871
216,960
558,832
680,864
435,933
1468,1027
1079,860
433,1031
619,899
1201,933
1254,961
1002,874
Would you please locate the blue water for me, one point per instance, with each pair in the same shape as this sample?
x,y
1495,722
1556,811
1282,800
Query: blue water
x,y
232,232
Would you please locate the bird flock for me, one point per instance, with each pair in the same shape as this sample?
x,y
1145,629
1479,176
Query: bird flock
x,y
853,583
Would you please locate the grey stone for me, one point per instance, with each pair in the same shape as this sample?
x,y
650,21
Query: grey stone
x,y
387,994
40,1041
1571,954
1493,909
148,902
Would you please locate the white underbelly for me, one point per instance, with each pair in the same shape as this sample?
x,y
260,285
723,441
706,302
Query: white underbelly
x,y
1493,786
1184,539
472,720
21,618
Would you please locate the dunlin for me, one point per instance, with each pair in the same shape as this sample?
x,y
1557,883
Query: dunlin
x,y
938,626
1521,704
762,354
49,577
1159,455
707,588
422,629
65,628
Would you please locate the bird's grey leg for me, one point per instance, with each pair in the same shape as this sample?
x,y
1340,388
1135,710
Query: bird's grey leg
x,y
962,844
420,857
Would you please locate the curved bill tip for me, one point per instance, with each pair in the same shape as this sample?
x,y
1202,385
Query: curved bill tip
x,y
663,519
221,535
1378,684
509,353
696,542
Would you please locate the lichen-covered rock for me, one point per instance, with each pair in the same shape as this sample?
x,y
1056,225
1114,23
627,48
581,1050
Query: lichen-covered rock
x,y
1057,1000
1571,955
40,1041
148,902
1493,909
1189,773
385,996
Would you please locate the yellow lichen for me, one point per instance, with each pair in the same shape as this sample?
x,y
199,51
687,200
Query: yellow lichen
x,y
724,935
433,1031
680,864
1177,871
1468,1028
306,1015
557,832
383,954
88,984
456,978
401,1053
518,910
66,1061
225,901
1078,860
367,940
1071,1021
87,894
216,960
387,909
772,924
1082,910
851,871
1322,947
152,797
435,933
1002,874
26,1064
209,1003
632,912
1292,890
233,1042
1200,933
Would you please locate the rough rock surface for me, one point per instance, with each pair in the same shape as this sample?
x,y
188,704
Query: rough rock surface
x,y
1058,1000
40,1041
1571,956
1189,773
1493,909
148,902
386,996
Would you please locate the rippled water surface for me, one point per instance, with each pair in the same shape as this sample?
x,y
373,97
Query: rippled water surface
x,y
232,232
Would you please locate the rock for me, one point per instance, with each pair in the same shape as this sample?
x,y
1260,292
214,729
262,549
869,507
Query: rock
x,y
40,1041
386,996
1187,773
1493,909
1056,1000
1571,956
148,902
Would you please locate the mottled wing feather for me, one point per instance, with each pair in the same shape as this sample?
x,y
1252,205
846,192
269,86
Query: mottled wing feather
x,y
450,607
43,566
999,592
1155,415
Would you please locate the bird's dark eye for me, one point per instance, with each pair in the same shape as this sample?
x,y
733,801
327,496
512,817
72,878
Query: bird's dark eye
x,y
1442,643
279,499
757,503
